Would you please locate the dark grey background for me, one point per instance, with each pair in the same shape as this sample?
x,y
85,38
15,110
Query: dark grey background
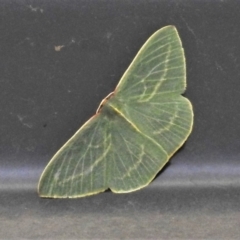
x,y
46,95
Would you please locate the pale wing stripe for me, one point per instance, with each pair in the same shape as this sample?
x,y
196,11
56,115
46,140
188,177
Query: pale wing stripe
x,y
81,176
123,176
131,155
58,171
174,124
145,153
169,130
159,121
148,157
181,106
91,177
127,143
122,162
158,71
157,94
96,162
158,85
142,96
157,49
166,69
153,80
158,79
120,173
165,103
178,106
132,158
140,161
179,55
66,156
170,123
104,159
143,49
177,116
170,141
178,103
165,130
116,167
81,157
160,39
163,126
156,143
163,70
68,165
167,60
51,185
74,176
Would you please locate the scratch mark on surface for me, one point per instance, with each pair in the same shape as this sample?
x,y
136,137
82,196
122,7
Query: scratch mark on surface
x,y
35,9
198,41
189,28
29,125
21,119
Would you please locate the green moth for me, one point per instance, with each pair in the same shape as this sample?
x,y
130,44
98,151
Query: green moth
x,y
135,130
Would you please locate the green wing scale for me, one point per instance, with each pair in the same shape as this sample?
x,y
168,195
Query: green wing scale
x,y
135,131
